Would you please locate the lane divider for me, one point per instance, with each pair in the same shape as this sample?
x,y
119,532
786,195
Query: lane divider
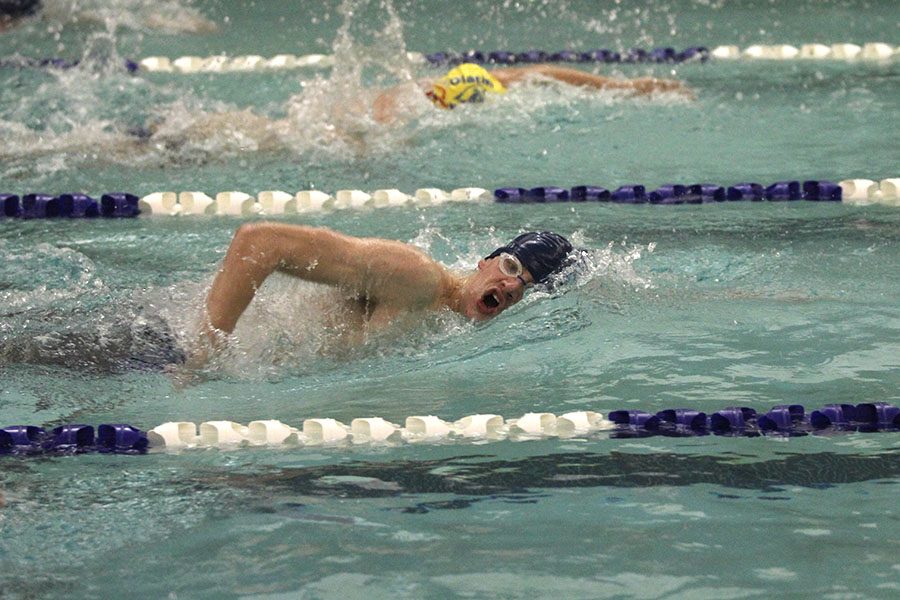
x,y
24,62
850,191
307,201
76,205
124,205
873,51
221,63
783,421
877,51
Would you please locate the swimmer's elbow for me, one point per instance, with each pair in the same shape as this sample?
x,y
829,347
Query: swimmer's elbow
x,y
247,238
256,246
251,231
255,236
266,247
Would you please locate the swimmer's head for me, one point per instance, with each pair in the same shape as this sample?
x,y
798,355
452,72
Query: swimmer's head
x,y
543,253
466,83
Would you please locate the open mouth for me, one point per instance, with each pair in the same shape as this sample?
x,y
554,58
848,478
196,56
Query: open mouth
x,y
492,301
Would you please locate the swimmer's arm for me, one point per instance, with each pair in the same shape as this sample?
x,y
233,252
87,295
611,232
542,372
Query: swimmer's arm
x,y
390,273
642,85
393,103
385,108
258,250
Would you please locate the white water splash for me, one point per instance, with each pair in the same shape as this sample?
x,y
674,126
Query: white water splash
x,y
295,327
42,276
335,113
87,115
170,16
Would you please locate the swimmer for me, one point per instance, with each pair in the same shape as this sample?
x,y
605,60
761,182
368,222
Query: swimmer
x,y
13,11
465,84
379,280
469,83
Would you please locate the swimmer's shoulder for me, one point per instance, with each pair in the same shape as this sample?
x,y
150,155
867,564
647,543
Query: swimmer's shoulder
x,y
403,274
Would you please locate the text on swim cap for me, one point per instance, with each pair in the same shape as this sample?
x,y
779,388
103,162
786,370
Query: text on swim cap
x,y
471,79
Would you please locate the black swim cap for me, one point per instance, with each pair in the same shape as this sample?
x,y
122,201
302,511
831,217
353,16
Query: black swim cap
x,y
543,253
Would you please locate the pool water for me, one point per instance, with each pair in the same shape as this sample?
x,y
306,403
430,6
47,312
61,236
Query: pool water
x,y
697,306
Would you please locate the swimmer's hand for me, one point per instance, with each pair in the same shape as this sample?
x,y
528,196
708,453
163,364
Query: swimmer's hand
x,y
208,342
189,373
652,85
182,376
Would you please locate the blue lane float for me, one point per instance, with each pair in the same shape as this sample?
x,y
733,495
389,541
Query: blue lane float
x,y
547,194
78,206
789,420
57,63
682,421
38,205
588,193
741,421
121,439
9,206
784,190
676,193
733,420
822,191
664,54
752,192
119,205
629,194
668,194
72,439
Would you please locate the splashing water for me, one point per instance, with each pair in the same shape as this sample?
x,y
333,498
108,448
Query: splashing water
x,y
292,327
170,16
90,115
335,113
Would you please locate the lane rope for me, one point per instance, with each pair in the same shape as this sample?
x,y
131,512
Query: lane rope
x,y
781,421
125,205
221,63
877,51
872,51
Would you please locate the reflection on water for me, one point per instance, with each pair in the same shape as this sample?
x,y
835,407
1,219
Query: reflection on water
x,y
475,478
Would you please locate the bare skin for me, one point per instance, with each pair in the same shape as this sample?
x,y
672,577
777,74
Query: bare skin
x,y
640,86
379,280
387,106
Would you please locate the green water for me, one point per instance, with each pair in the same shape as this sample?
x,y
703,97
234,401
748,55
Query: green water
x,y
699,306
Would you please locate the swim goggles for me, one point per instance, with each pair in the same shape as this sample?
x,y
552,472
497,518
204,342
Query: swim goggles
x,y
512,267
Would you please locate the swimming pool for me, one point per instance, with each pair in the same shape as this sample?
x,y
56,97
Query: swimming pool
x,y
704,306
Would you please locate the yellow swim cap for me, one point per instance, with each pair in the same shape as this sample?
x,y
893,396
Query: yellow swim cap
x,y
466,83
